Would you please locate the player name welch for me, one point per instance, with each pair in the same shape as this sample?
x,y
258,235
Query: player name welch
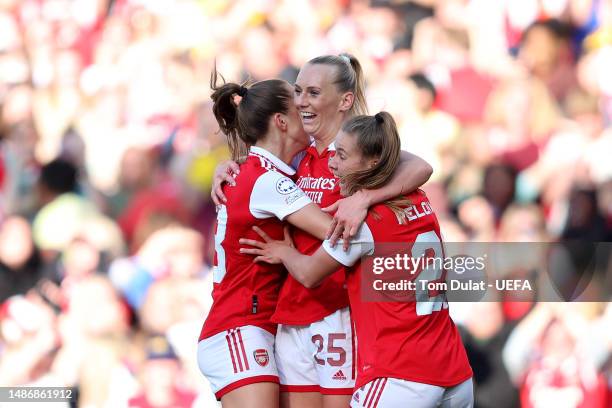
x,y
453,284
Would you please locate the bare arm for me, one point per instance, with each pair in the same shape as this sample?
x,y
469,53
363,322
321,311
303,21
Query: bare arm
x,y
411,173
308,270
312,220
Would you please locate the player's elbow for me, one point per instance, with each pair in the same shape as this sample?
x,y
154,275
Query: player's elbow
x,y
309,281
311,284
426,171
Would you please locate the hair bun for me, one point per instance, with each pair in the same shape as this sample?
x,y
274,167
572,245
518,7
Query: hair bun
x,y
379,118
345,58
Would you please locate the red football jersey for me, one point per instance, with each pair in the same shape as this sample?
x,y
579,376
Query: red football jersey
x,y
414,341
298,305
245,293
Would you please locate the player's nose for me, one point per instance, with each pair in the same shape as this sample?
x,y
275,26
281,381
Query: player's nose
x,y
300,100
332,164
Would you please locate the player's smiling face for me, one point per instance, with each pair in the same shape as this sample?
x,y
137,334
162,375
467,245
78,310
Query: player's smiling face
x,y
318,100
348,158
295,131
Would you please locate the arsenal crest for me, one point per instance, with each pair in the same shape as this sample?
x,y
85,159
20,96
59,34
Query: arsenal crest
x,y
261,357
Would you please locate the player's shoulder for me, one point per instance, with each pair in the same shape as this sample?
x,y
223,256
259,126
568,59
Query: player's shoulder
x,y
255,165
271,184
259,165
380,217
417,195
254,168
415,205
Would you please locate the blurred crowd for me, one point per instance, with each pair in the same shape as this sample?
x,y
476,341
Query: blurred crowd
x,y
108,146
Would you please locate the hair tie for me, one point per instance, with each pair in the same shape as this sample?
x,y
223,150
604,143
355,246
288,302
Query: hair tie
x,y
242,91
379,118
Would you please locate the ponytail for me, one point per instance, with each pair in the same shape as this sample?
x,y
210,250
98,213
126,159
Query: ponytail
x,y
225,110
245,122
376,137
360,106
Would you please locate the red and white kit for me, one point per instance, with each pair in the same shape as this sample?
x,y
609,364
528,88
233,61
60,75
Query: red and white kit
x,y
314,343
413,341
236,345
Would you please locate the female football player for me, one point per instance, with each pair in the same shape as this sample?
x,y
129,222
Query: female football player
x,y
314,343
236,344
410,352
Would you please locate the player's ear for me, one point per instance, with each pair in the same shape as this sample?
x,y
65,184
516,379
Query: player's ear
x,y
372,162
280,121
346,103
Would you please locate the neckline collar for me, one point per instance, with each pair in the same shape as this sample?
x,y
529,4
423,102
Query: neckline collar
x,y
330,148
282,166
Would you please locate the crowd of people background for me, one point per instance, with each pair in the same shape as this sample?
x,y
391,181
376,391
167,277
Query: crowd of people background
x,y
108,146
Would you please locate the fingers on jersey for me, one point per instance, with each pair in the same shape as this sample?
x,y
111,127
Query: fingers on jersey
x,y
334,231
225,173
262,234
233,167
250,242
331,208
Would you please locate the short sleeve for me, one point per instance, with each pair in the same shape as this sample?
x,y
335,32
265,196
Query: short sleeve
x,y
361,245
276,195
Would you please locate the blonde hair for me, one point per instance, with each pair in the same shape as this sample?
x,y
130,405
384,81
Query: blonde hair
x,y
348,78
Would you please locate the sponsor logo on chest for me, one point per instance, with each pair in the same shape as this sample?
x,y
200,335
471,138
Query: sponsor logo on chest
x,y
315,186
316,183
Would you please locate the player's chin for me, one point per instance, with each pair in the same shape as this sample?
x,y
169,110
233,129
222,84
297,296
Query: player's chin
x,y
308,126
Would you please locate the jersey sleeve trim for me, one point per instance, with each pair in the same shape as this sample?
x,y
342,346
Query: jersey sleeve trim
x,y
361,245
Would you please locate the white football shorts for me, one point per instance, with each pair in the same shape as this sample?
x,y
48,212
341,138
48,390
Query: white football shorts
x,y
237,357
319,357
395,393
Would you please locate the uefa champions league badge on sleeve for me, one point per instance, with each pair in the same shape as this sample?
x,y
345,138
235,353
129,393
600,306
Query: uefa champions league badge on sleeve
x,y
285,186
